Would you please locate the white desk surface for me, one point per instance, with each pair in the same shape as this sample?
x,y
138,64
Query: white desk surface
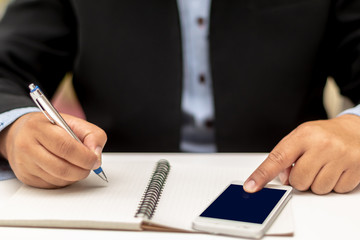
x,y
333,216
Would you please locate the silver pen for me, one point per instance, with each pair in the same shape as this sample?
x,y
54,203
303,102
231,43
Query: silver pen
x,y
55,118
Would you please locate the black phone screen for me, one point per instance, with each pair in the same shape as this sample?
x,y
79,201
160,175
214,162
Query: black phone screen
x,y
237,205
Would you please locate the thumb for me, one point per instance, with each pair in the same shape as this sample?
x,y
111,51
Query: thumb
x,y
90,135
95,141
278,161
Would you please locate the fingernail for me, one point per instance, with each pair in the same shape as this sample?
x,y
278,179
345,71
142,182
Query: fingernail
x,y
98,151
282,177
250,186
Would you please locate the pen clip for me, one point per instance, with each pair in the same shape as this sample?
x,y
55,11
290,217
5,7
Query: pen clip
x,y
44,111
35,99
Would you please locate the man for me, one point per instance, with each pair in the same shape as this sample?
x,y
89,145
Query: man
x,y
266,67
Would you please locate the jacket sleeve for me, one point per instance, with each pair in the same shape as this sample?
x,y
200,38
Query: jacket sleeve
x,y
37,44
345,37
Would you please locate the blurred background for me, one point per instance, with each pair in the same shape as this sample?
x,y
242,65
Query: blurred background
x,y
65,99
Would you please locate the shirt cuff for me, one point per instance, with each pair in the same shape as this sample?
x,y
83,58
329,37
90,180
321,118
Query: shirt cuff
x,y
355,111
9,117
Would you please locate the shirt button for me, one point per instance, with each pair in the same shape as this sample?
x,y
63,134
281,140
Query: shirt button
x,y
209,123
200,21
202,78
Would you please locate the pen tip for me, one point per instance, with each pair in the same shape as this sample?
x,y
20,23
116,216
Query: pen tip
x,y
103,176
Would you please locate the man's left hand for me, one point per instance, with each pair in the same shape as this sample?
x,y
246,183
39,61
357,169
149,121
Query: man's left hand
x,y
322,155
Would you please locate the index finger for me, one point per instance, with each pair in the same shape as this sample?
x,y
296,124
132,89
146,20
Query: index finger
x,y
281,157
91,135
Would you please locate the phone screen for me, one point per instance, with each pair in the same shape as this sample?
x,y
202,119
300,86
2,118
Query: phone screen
x,y
237,205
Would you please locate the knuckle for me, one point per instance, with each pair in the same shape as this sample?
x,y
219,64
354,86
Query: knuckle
x,y
298,184
22,143
65,147
31,121
67,176
273,163
305,128
342,148
24,179
326,141
263,173
63,172
320,190
354,162
342,190
19,165
101,132
346,186
277,158
34,181
320,136
311,130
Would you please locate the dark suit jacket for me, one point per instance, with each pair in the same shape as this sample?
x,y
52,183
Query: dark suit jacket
x,y
269,62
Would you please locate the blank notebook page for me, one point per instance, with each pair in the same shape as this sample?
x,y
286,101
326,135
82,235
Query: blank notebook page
x,y
90,202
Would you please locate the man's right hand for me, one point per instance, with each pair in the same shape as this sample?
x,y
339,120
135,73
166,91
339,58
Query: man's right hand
x,y
44,155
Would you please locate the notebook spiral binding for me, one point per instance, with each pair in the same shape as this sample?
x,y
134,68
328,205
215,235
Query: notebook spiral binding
x,y
153,191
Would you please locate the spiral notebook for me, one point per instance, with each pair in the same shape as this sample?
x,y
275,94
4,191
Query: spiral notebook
x,y
141,195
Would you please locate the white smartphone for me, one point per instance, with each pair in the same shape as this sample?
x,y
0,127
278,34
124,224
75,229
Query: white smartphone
x,y
238,213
